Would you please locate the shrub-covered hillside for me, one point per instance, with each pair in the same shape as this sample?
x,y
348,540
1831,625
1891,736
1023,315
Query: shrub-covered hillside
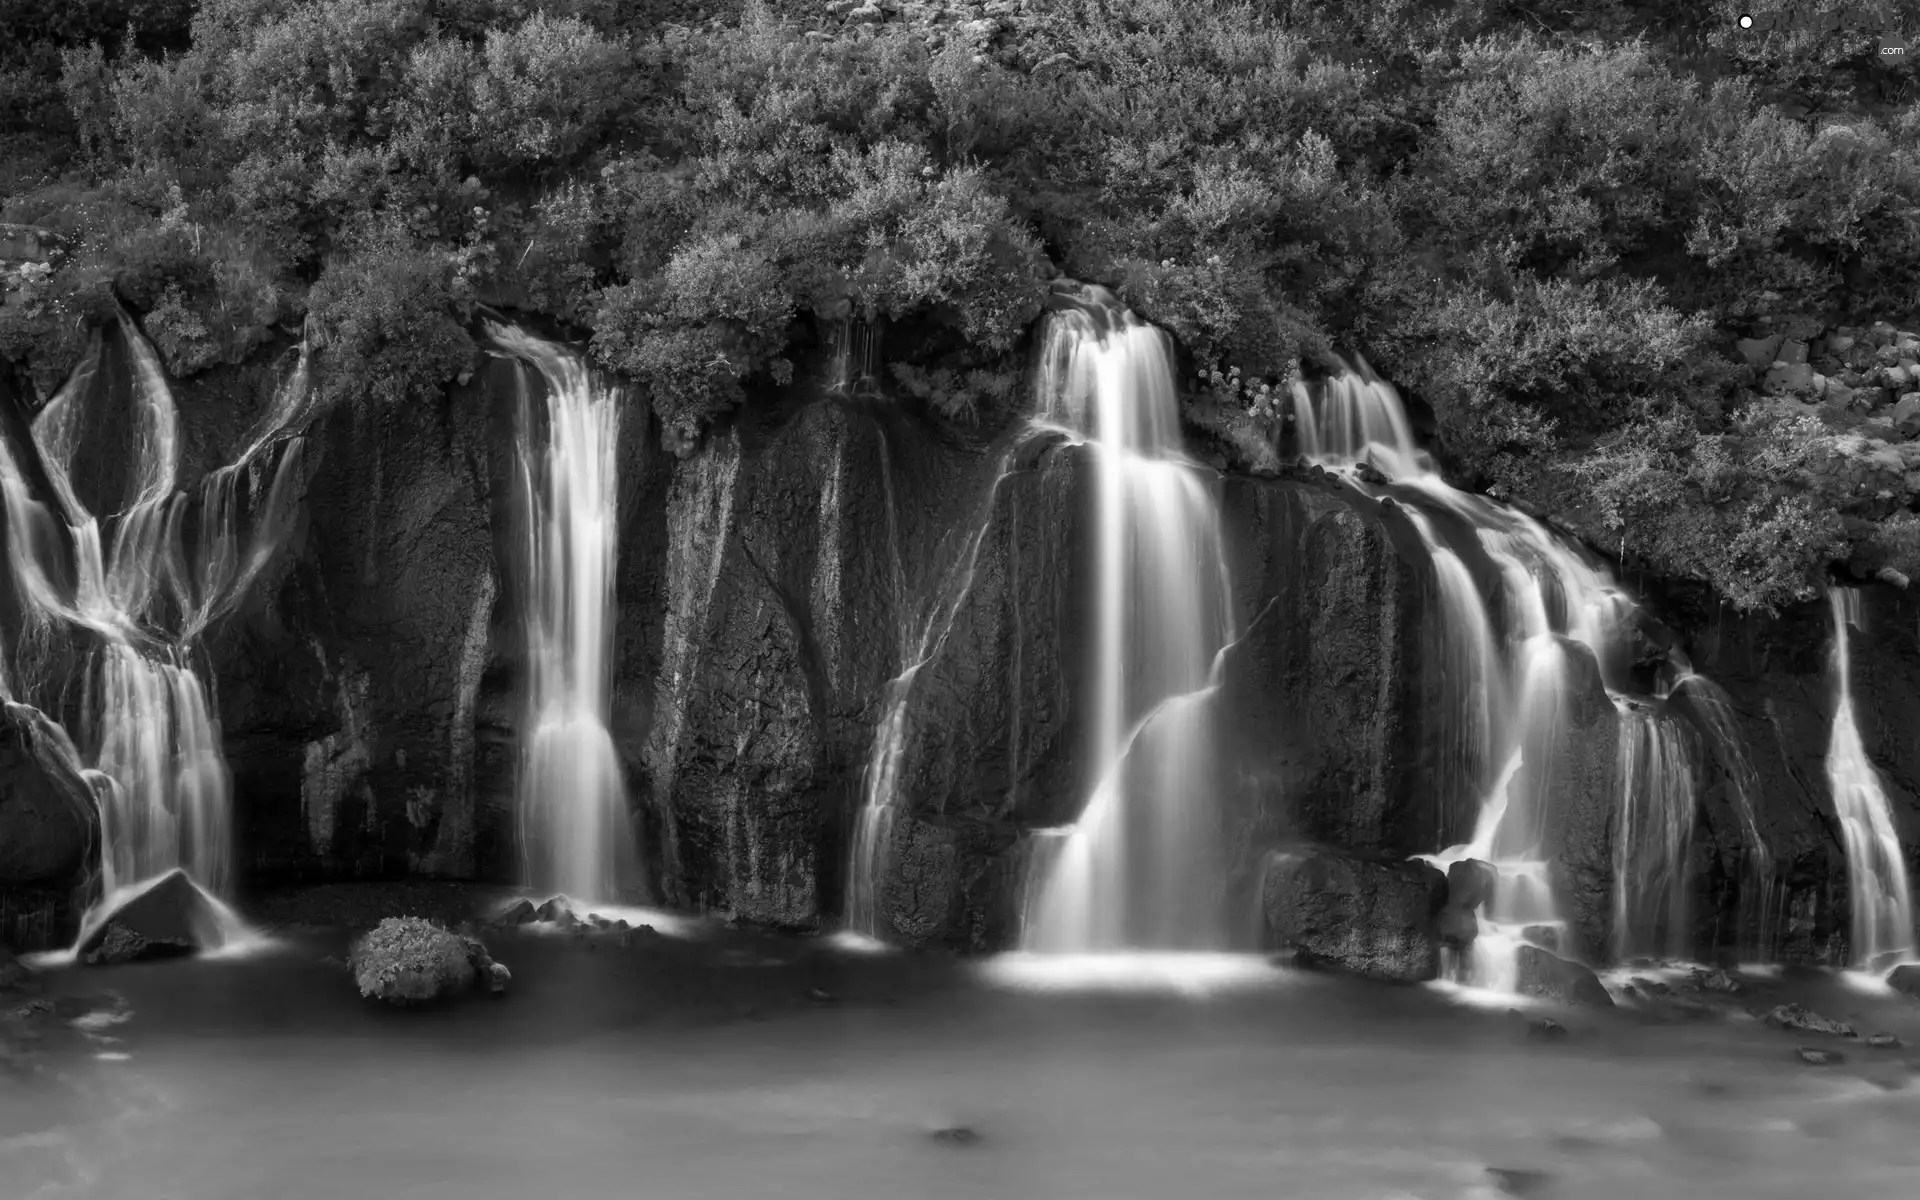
x,y
1551,224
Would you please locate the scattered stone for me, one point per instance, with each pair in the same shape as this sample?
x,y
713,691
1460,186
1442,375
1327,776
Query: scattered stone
x,y
1790,377
1546,1027
1884,1041
1820,1058
600,922
1794,1016
955,1135
1554,978
1366,472
170,918
1374,918
553,910
1793,352
498,977
866,14
820,996
1517,1181
520,912
1760,353
620,926
1717,980
1653,987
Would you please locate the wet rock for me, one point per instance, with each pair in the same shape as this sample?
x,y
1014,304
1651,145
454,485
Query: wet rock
x,y
498,977
15,976
1546,1027
1716,980
1366,472
1905,979
1884,1041
1794,1016
955,1135
1551,977
1519,1181
554,910
49,825
520,912
1652,987
1458,927
1376,919
1547,937
821,996
170,918
1820,1058
1470,883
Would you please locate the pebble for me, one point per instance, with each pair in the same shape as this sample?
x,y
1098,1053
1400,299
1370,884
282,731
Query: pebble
x,y
1820,1058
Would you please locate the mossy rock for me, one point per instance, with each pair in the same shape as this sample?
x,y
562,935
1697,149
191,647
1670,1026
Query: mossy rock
x,y
408,961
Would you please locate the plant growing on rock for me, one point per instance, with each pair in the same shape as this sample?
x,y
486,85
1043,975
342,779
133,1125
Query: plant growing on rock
x,y
408,960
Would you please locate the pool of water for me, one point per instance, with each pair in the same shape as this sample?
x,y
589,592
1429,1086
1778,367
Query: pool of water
x,y
737,1067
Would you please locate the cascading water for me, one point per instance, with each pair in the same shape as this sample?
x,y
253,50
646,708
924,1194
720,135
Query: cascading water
x,y
1138,869
1508,659
136,588
1882,902
576,832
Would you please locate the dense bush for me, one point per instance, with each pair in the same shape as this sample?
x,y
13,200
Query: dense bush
x,y
1548,222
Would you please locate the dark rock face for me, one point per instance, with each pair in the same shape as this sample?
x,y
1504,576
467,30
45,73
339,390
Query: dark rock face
x,y
1906,980
951,882
1577,772
172,917
1375,919
49,832
1554,978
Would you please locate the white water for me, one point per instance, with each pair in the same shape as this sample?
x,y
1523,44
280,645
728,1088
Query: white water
x,y
1882,902
576,832
1139,869
131,592
1508,659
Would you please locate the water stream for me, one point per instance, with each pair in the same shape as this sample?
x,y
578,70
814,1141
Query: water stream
x,y
1881,900
576,832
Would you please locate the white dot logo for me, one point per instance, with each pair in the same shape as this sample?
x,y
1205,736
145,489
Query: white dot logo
x,y
1746,22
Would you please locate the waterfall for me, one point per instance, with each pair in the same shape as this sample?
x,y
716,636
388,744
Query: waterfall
x,y
1138,869
1882,902
576,833
1508,659
135,589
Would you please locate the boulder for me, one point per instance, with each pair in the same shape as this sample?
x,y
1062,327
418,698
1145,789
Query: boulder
x,y
1458,927
1760,352
520,912
1884,1041
1793,1016
410,961
14,975
171,917
1905,979
1551,977
1373,918
1470,883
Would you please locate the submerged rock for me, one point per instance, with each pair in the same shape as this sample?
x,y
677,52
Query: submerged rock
x,y
407,960
14,974
1517,1181
1551,977
1716,980
1794,1016
1884,1041
171,918
1820,1058
1376,919
955,1135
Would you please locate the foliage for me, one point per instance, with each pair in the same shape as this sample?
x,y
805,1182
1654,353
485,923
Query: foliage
x,y
407,960
1547,222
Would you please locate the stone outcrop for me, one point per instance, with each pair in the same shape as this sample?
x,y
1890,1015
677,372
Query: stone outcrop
x,y
1550,977
172,917
49,832
1371,918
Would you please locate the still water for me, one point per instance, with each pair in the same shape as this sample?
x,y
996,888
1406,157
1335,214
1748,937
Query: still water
x,y
735,1067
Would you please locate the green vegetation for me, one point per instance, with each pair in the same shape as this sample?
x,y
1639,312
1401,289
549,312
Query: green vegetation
x,y
1548,224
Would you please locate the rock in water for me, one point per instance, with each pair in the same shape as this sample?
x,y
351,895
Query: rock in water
x,y
1884,1041
498,977
1906,979
14,975
1793,1016
520,912
1516,1181
1470,883
1554,978
1820,1058
172,917
1376,919
406,960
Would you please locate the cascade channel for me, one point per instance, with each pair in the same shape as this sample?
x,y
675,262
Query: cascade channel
x,y
1139,868
1881,900
1514,634
127,592
576,832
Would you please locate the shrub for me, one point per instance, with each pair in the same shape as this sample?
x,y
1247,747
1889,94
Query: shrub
x,y
387,311
407,960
